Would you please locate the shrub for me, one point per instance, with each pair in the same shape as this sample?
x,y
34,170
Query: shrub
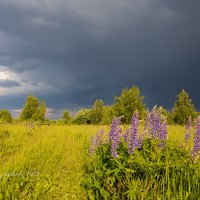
x,y
108,114
145,165
5,116
83,116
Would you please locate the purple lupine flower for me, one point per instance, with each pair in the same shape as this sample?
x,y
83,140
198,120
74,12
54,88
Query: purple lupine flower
x,y
154,122
163,134
96,141
196,149
133,141
139,142
140,139
163,131
126,135
188,128
156,126
114,136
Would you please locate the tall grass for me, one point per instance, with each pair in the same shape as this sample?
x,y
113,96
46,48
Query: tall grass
x,y
49,162
44,162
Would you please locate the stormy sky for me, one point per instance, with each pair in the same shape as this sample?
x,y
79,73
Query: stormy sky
x,y
70,52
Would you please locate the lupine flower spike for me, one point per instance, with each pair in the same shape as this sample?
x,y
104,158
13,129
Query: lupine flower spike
x,y
133,141
196,149
96,141
114,136
163,134
155,122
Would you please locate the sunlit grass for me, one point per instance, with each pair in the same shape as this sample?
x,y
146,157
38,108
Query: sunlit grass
x,y
47,162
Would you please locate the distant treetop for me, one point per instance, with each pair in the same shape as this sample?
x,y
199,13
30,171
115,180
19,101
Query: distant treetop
x,y
183,109
34,109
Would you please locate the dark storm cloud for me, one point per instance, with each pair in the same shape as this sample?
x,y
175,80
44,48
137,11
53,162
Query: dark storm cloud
x,y
92,49
9,83
27,82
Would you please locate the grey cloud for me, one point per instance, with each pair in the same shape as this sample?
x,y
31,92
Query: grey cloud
x,y
9,83
28,82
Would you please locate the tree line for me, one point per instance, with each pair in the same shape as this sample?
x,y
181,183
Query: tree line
x,y
131,100
124,105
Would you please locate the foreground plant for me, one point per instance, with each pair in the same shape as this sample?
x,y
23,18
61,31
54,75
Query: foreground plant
x,y
196,149
143,165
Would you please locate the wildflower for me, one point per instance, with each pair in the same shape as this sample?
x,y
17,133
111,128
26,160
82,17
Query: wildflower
x,y
114,136
133,141
140,140
156,127
126,135
196,149
163,131
155,122
163,134
96,141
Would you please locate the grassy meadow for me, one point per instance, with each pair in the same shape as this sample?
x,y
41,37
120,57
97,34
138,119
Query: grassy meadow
x,y
44,162
48,162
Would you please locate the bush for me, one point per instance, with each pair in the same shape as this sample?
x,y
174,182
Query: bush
x,y
5,116
83,117
142,166
148,173
108,114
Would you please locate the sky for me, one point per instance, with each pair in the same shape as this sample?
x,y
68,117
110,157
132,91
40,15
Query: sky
x,y
71,52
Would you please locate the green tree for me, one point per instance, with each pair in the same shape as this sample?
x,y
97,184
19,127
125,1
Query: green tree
x,y
128,102
66,117
83,116
5,116
108,114
97,111
183,109
33,109
41,112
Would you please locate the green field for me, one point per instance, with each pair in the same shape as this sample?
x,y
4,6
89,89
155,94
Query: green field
x,y
50,159
48,162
